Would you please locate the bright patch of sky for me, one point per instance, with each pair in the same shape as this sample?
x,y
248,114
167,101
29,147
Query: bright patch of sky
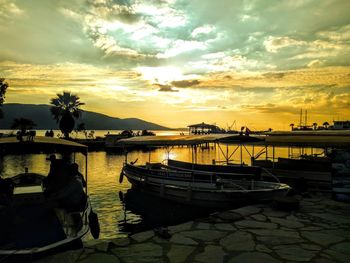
x,y
189,56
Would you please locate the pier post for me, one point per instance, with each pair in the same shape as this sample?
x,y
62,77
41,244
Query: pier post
x,y
226,157
241,154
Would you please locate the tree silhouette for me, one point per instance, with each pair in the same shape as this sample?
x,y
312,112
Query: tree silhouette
x,y
23,124
66,108
3,87
325,125
292,126
314,125
81,128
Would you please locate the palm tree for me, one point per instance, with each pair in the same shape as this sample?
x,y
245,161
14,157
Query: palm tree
x,y
3,88
292,126
325,125
23,124
66,108
314,125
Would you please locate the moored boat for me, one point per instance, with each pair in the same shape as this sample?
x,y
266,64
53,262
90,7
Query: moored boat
x,y
200,188
42,213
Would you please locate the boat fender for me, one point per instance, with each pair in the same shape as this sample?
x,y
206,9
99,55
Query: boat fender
x,y
121,176
121,196
94,225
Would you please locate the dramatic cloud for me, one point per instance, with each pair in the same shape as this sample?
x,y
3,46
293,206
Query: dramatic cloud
x,y
185,61
185,83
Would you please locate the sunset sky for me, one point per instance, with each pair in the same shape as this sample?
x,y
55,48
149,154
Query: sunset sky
x,y
177,63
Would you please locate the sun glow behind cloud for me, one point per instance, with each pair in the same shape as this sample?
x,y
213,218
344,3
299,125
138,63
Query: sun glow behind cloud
x,y
184,61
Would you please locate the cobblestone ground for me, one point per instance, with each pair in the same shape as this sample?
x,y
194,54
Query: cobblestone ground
x,y
317,232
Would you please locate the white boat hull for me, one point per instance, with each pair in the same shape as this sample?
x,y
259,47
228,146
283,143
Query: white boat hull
x,y
206,194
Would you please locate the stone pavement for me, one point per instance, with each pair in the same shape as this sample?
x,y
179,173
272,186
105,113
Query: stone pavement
x,y
318,232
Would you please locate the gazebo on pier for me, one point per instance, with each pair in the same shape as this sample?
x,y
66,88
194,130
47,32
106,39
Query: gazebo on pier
x,y
203,128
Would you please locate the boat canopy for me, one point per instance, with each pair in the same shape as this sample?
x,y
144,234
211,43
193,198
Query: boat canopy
x,y
172,140
311,140
39,144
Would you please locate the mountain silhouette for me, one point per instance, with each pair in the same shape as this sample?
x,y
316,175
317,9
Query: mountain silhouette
x,y
41,115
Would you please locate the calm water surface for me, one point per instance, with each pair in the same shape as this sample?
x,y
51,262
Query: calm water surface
x,y
119,218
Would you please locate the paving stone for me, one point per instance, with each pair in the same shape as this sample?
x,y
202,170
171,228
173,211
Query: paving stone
x,y
286,229
142,252
211,254
324,260
121,241
179,253
88,251
286,223
274,233
92,242
238,241
345,258
338,232
275,213
321,238
253,257
279,240
103,246
311,228
180,239
307,203
259,217
143,236
203,226
333,218
69,256
230,216
293,218
255,224
276,237
326,256
262,248
342,247
337,204
204,235
323,225
311,247
181,227
294,253
225,227
160,240
247,210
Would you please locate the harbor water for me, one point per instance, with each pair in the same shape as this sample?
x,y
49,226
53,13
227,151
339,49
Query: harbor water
x,y
120,210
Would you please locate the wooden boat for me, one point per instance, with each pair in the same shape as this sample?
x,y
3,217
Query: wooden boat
x,y
30,222
231,171
200,188
315,172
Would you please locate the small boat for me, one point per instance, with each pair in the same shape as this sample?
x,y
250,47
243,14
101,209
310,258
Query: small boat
x,y
236,171
200,188
315,171
30,221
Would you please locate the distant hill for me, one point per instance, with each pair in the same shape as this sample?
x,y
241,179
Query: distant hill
x,y
41,115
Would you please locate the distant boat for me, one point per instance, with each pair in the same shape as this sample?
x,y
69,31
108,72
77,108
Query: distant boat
x,y
29,224
200,188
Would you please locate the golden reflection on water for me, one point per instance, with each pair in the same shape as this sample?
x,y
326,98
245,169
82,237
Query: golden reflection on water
x,y
104,170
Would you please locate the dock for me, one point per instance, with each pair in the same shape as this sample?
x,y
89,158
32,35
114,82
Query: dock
x,y
319,231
